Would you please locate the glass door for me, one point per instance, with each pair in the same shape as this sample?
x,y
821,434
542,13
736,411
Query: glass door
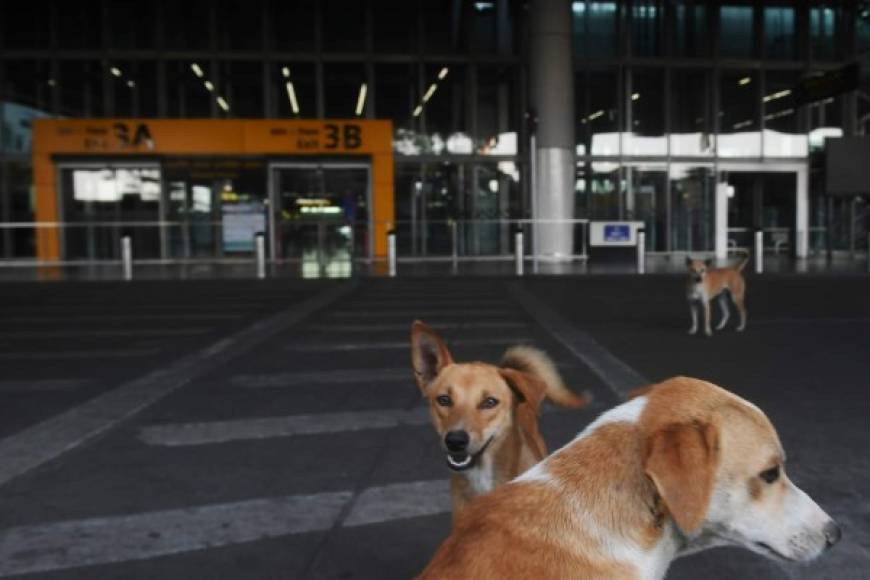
x,y
321,212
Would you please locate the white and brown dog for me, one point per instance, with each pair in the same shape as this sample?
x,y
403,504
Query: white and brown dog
x,y
684,467
706,283
486,416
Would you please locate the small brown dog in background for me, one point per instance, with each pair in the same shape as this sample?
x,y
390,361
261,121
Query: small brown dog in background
x,y
706,283
486,415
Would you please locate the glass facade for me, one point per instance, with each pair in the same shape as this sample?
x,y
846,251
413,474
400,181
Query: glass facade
x,y
663,92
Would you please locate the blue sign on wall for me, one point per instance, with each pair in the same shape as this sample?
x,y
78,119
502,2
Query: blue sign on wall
x,y
617,233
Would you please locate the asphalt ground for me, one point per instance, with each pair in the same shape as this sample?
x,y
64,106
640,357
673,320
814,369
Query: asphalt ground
x,y
271,429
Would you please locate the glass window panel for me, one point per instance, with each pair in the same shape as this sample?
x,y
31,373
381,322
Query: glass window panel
x,y
342,85
691,132
395,26
132,24
735,31
862,29
186,24
293,25
597,111
496,110
134,88
646,200
691,36
242,87
16,127
441,25
240,24
826,120
296,90
29,83
646,135
783,134
481,26
594,28
646,27
80,88
25,24
446,112
692,207
79,24
600,190
739,128
779,32
188,95
344,25
823,33
396,97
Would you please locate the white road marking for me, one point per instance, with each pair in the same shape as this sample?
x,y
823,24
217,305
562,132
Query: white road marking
x,y
46,441
615,373
424,314
38,386
402,326
72,544
88,333
399,501
77,354
211,432
54,318
400,344
344,376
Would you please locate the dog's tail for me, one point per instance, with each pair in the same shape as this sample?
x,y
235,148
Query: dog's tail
x,y
745,260
530,360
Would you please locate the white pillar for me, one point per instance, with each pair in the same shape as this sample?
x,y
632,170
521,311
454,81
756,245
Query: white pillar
x,y
759,251
391,253
802,214
722,191
260,246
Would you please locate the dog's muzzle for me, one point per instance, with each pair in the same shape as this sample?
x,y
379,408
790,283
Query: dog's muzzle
x,y
458,457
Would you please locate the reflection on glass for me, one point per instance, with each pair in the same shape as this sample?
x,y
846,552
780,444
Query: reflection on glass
x,y
646,201
823,25
783,134
735,31
646,136
692,199
691,122
779,36
596,102
739,134
594,28
691,38
599,190
647,19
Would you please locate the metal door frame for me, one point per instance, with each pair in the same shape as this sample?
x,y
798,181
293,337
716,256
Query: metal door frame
x,y
325,164
114,163
802,198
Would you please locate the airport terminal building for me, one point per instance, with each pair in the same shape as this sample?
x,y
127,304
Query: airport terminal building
x,y
193,126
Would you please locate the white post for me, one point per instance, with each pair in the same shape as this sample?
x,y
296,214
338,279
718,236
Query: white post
x,y
641,252
518,251
721,238
260,244
533,185
759,251
127,257
391,253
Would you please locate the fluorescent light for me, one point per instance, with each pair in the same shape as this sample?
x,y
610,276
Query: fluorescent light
x,y
131,83
595,115
430,92
208,86
52,83
196,70
418,110
743,124
777,95
286,72
223,104
744,81
635,96
361,99
779,114
442,73
115,71
291,94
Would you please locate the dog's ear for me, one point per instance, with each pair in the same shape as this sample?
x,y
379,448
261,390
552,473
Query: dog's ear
x,y
527,388
681,460
688,261
708,262
429,354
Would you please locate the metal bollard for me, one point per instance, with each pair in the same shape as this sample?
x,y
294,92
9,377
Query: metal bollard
x,y
641,252
391,253
260,244
127,257
518,251
759,252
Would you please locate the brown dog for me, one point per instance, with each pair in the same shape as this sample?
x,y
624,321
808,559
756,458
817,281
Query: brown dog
x,y
684,467
706,283
486,415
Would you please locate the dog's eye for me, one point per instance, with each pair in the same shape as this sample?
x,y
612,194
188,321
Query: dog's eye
x,y
444,400
489,403
770,475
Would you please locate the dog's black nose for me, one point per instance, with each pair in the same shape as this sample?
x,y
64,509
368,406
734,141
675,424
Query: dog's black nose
x,y
456,441
833,533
